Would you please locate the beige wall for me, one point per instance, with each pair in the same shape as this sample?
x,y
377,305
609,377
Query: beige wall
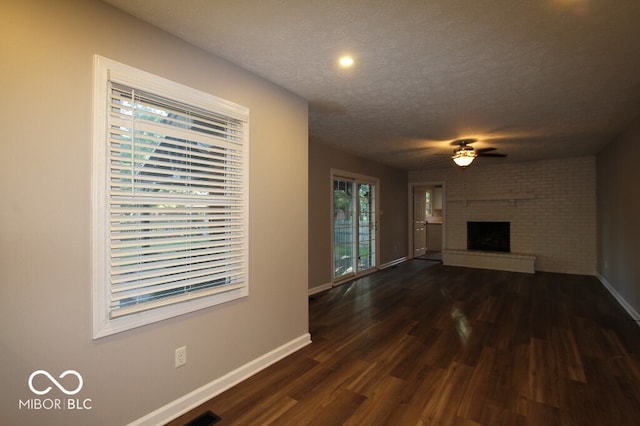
x,y
619,217
393,206
555,221
45,299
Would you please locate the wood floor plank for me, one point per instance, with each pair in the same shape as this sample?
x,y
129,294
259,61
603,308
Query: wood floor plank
x,y
443,407
423,343
337,410
568,355
541,414
496,416
544,381
420,388
381,403
481,388
268,410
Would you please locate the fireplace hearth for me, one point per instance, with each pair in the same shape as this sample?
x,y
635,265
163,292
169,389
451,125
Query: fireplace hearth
x,y
489,236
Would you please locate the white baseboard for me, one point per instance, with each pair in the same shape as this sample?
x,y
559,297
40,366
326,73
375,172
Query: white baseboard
x,y
627,307
193,399
393,263
320,288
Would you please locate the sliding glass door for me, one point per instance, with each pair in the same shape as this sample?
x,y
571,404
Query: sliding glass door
x,y
354,226
343,227
366,226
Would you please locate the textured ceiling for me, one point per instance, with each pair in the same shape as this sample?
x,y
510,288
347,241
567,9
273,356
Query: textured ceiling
x,y
534,79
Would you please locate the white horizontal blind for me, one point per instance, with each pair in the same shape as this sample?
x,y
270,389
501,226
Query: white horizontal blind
x,y
177,206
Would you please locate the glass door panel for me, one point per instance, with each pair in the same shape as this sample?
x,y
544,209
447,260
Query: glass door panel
x,y
343,228
366,226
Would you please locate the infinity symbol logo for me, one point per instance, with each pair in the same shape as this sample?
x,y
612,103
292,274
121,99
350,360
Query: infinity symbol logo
x,y
55,382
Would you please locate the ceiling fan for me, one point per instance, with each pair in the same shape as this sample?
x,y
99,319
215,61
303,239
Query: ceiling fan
x,y
464,154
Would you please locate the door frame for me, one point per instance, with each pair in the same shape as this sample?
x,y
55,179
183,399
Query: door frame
x,y
410,212
357,178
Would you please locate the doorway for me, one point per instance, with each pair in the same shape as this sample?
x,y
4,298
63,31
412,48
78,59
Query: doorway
x,y
427,221
354,208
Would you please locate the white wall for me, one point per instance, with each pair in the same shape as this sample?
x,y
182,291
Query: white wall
x,y
556,222
618,218
45,299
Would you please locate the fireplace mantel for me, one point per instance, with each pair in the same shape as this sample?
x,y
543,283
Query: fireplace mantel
x,y
510,197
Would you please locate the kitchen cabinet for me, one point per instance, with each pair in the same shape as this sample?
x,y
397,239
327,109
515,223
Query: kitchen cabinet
x,y
434,237
437,198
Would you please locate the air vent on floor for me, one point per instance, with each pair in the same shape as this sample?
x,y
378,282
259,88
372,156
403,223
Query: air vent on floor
x,y
205,419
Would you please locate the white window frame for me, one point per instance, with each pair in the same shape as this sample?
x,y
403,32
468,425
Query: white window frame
x,y
104,323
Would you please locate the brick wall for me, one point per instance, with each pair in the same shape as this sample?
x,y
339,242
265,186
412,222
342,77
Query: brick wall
x,y
551,205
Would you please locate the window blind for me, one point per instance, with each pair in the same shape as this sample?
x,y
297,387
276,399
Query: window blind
x,y
177,206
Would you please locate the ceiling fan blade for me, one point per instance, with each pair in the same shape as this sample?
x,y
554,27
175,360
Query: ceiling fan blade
x,y
483,150
492,155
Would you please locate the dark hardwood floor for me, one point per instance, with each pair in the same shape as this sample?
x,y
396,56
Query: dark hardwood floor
x,y
428,344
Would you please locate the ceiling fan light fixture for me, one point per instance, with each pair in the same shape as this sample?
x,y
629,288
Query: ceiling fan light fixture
x,y
464,157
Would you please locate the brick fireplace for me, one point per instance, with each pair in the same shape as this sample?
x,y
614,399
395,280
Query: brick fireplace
x,y
489,247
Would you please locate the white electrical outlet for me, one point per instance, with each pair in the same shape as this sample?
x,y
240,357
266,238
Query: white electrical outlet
x,y
181,356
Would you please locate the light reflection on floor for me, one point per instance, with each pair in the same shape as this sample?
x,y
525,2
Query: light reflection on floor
x,y
462,325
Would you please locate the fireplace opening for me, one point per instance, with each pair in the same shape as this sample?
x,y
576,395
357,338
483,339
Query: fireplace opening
x,y
489,236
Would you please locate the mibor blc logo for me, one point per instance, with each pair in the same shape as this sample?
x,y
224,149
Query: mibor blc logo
x,y
55,382
73,388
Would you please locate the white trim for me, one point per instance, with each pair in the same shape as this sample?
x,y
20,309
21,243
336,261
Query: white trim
x,y
627,307
393,263
103,326
355,176
320,288
132,76
195,398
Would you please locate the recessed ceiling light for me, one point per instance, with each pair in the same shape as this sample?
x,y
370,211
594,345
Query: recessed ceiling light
x,y
346,62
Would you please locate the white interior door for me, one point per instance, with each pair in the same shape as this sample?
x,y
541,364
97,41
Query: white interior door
x,y
419,222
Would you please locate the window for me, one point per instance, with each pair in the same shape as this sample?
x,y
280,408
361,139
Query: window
x,y
170,207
